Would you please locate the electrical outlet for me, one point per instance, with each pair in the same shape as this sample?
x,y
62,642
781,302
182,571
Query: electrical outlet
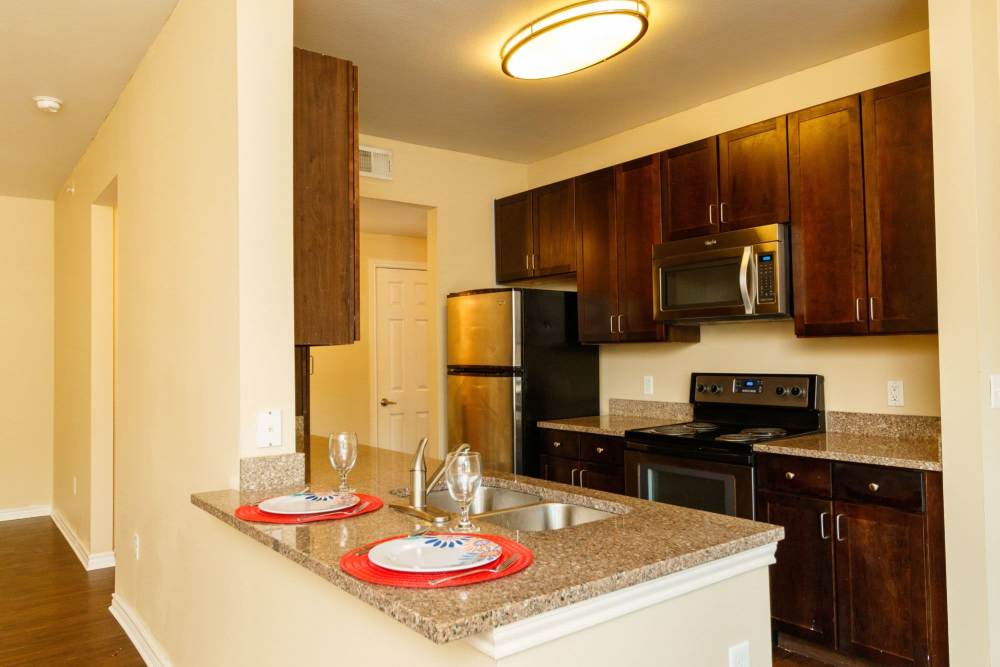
x,y
895,394
739,655
74,485
995,391
136,545
647,385
269,428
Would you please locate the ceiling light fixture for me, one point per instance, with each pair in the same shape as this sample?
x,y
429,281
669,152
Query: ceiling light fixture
x,y
574,38
46,103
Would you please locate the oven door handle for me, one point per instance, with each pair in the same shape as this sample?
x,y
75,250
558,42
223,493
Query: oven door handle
x,y
745,289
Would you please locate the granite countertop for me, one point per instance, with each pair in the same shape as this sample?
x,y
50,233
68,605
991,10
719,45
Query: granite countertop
x,y
901,452
615,425
642,542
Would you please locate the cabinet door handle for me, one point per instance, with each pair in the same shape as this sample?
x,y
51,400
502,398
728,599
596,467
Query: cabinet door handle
x,y
722,213
312,364
532,261
599,450
857,309
789,475
871,308
822,525
572,476
873,487
711,220
527,263
611,324
837,527
582,470
620,323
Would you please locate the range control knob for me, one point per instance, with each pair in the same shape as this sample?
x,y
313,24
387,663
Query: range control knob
x,y
780,391
702,388
796,391
716,389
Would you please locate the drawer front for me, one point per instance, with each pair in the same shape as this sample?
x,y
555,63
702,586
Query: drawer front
x,y
893,487
602,449
565,444
792,474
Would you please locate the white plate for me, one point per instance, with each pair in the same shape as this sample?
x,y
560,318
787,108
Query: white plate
x,y
434,553
308,503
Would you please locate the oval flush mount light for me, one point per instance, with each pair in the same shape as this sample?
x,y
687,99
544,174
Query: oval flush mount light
x,y
574,38
46,103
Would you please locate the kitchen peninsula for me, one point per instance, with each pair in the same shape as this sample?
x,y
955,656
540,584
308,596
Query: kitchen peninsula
x,y
670,585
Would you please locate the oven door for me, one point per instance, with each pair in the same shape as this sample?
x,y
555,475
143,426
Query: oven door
x,y
709,284
723,488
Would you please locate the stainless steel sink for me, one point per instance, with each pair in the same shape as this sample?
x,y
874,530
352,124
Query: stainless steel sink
x,y
546,516
488,499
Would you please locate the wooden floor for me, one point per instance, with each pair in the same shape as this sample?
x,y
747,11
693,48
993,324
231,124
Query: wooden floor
x,y
52,611
783,658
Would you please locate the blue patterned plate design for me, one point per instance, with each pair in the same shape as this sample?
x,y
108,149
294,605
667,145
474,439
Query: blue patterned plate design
x,y
309,502
434,553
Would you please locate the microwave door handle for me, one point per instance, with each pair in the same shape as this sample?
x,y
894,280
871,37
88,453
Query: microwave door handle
x,y
744,280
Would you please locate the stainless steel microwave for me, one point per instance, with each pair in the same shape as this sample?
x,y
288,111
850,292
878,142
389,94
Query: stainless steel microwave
x,y
738,275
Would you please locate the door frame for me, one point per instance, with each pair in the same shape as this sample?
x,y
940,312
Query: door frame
x,y
373,266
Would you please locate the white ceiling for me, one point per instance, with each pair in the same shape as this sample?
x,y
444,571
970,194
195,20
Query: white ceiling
x,y
430,72
82,52
381,216
429,68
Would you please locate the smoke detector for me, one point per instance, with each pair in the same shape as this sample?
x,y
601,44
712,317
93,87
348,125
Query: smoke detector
x,y
46,103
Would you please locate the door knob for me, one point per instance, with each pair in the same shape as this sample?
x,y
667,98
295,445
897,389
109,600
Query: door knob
x,y
385,401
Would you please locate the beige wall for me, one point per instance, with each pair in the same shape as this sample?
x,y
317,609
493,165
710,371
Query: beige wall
x,y
341,387
200,145
856,369
26,295
966,108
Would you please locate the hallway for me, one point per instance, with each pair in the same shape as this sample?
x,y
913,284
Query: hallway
x,y
52,611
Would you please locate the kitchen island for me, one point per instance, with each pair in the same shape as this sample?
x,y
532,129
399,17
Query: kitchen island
x,y
650,584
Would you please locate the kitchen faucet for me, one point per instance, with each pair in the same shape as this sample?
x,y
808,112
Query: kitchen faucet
x,y
419,484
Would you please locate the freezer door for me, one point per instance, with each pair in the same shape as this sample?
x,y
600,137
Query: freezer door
x,y
485,411
484,329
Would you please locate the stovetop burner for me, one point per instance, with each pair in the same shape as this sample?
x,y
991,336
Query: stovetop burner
x,y
702,426
743,436
765,431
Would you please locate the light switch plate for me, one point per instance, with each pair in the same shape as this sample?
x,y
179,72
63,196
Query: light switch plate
x,y
647,385
995,390
269,428
739,655
895,394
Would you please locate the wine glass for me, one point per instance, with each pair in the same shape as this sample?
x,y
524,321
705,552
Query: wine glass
x,y
343,455
464,474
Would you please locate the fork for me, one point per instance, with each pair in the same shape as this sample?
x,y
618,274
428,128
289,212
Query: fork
x,y
357,510
492,570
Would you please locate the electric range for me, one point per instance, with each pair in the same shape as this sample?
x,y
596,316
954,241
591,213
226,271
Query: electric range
x,y
708,463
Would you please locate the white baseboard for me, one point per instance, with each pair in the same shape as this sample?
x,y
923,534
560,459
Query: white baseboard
x,y
89,561
138,632
29,512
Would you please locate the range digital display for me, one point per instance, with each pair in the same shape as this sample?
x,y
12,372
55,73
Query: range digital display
x,y
748,385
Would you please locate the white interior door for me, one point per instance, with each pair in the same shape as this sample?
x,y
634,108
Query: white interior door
x,y
402,323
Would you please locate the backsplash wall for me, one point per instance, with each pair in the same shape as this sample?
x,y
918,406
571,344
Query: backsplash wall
x,y
856,369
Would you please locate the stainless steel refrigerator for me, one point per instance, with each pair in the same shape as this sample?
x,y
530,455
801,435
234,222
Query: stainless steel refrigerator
x,y
514,358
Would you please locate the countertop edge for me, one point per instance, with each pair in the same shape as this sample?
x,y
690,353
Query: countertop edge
x,y
445,631
845,457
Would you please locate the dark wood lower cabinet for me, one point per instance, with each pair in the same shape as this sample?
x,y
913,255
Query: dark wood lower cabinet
x,y
802,579
582,459
882,584
861,568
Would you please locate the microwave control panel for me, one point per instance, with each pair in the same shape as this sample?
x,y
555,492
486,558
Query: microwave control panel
x,y
765,278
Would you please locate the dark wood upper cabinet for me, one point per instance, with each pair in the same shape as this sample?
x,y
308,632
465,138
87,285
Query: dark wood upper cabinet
x,y
828,219
753,175
325,200
515,237
802,578
637,187
899,197
882,584
555,240
596,256
690,184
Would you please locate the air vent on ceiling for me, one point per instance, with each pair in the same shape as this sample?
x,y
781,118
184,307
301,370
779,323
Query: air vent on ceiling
x,y
376,162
